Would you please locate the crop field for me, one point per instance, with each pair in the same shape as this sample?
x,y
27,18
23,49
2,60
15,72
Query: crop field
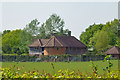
x,y
47,67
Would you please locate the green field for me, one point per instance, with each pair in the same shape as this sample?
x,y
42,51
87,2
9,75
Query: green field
x,y
46,66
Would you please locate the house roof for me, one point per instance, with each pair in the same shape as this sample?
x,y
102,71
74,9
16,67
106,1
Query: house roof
x,y
113,50
59,41
39,42
64,41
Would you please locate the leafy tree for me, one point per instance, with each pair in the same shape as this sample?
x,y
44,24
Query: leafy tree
x,y
0,34
89,32
5,31
53,26
10,41
102,41
118,42
32,27
42,31
28,33
92,36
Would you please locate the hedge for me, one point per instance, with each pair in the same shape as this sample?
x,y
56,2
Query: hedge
x,y
18,58
47,58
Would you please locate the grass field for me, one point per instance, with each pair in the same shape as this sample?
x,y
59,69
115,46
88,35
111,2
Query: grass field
x,y
46,66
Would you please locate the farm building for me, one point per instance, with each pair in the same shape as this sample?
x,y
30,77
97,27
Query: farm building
x,y
114,51
57,45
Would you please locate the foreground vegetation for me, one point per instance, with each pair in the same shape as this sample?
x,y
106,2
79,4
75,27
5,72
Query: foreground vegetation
x,y
97,69
7,73
46,66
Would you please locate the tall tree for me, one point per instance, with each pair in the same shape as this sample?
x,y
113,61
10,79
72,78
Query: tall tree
x,y
53,26
10,41
29,32
102,41
32,27
5,31
100,36
89,32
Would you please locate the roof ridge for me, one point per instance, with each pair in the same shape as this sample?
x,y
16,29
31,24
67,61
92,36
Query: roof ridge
x,y
59,41
48,41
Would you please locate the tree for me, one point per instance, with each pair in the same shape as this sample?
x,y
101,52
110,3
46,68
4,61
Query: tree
x,y
29,32
5,31
0,34
118,42
32,27
89,32
42,34
102,41
10,41
92,36
53,26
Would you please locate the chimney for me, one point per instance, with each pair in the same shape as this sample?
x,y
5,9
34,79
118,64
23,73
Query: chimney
x,y
69,33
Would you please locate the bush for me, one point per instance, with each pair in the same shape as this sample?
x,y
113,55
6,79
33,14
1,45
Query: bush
x,y
17,58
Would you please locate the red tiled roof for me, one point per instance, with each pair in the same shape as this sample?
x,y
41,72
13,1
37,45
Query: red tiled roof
x,y
113,50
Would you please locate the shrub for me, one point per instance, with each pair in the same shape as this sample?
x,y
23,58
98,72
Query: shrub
x,y
17,58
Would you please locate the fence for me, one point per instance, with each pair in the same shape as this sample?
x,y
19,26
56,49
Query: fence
x,y
47,58
64,58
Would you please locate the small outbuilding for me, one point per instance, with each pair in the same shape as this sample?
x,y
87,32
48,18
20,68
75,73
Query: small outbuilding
x,y
114,51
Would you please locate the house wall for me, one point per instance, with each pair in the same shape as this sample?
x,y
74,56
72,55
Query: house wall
x,y
76,51
116,55
35,50
54,51
72,51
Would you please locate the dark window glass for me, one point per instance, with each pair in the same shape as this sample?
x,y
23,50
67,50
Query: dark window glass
x,y
57,48
36,48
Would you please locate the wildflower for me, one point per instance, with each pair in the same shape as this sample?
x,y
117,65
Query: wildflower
x,y
23,66
18,68
35,76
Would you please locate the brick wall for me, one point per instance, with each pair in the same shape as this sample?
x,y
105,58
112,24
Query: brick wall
x,y
76,51
54,51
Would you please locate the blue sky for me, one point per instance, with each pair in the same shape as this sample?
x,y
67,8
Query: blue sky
x,y
77,15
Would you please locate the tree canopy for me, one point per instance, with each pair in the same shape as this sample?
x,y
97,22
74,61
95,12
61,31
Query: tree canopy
x,y
54,25
101,36
10,41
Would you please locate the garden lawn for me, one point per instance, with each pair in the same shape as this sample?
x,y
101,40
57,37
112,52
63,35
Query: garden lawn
x,y
47,67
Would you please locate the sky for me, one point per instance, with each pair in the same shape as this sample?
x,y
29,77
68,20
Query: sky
x,y
77,15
